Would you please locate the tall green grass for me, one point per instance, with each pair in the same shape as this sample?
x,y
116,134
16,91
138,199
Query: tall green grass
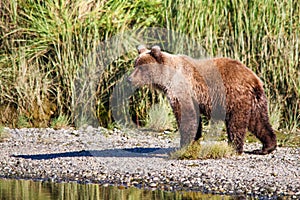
x,y
262,34
43,45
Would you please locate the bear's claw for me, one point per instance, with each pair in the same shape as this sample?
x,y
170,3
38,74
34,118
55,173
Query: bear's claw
x,y
263,151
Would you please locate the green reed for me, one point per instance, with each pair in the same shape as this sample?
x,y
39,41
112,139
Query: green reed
x,y
44,45
262,34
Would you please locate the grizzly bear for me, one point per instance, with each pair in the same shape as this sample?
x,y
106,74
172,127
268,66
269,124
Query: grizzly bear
x,y
220,88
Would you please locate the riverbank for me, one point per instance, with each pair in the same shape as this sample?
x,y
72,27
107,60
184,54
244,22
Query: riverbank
x,y
134,158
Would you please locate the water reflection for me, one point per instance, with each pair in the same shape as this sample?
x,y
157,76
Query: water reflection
x,y
36,190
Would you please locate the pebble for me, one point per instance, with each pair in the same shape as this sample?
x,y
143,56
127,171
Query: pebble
x,y
135,158
155,179
152,185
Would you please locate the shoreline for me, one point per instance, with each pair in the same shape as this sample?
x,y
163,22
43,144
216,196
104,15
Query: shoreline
x,y
140,159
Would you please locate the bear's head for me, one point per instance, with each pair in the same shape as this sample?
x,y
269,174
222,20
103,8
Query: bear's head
x,y
151,67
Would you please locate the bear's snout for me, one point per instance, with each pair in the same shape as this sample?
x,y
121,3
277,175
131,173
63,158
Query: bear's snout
x,y
129,79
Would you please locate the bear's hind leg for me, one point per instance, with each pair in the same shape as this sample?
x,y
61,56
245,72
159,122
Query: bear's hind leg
x,y
236,127
259,125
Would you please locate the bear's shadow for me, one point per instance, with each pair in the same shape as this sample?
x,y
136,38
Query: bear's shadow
x,y
125,152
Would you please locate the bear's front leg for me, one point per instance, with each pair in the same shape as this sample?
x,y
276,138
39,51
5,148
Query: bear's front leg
x,y
189,122
187,118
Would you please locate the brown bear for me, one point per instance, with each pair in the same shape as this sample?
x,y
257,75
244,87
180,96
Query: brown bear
x,y
220,88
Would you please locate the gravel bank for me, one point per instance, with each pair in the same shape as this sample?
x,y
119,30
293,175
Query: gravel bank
x,y
140,159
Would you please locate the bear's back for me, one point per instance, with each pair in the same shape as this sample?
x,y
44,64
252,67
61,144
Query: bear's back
x,y
234,74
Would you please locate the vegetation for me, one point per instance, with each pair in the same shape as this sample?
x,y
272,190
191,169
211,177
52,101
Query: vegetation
x,y
160,116
23,122
204,150
60,122
4,135
45,44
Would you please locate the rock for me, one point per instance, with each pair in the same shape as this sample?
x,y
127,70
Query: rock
x,y
155,179
152,184
91,155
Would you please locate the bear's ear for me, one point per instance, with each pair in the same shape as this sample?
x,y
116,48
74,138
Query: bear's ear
x,y
156,53
141,49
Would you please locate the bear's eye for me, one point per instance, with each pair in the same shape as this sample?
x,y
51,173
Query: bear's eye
x,y
141,68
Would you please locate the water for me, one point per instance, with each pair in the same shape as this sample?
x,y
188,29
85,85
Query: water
x,y
39,190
